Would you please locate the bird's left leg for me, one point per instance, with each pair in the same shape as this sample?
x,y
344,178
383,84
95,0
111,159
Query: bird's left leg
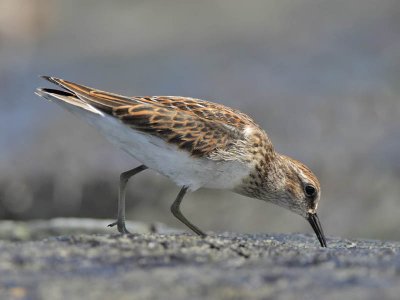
x,y
124,177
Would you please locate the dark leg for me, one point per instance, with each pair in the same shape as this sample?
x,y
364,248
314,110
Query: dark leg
x,y
123,180
175,209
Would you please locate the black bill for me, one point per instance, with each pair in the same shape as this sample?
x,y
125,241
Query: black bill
x,y
316,225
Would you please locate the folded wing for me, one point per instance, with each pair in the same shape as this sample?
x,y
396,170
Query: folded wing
x,y
202,128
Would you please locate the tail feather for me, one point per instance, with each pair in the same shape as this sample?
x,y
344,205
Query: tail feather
x,y
64,97
104,101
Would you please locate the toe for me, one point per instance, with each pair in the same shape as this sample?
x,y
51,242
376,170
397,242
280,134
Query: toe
x,y
112,224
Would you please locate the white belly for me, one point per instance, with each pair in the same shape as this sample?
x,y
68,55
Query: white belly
x,y
167,159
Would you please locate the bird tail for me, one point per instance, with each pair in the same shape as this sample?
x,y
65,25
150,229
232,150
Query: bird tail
x,y
66,99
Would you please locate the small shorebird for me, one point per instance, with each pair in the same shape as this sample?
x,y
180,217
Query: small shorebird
x,y
196,144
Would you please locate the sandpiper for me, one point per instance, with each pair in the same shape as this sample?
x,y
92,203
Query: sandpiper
x,y
195,143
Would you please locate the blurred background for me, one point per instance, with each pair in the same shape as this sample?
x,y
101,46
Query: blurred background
x,y
322,77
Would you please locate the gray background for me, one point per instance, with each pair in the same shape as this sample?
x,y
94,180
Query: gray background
x,y
320,76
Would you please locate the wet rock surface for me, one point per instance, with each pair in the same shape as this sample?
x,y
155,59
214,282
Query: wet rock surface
x,y
82,259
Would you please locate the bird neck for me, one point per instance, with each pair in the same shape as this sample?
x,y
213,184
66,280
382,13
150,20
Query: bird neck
x,y
266,178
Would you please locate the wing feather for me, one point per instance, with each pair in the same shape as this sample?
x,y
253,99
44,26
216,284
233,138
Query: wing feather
x,y
200,127
187,131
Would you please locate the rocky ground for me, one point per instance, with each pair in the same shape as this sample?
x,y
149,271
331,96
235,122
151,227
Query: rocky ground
x,y
82,259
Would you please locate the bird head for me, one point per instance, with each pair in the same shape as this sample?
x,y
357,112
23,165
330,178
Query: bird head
x,y
288,183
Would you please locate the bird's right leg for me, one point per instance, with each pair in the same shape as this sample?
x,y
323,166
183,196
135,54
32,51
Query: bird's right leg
x,y
176,211
123,181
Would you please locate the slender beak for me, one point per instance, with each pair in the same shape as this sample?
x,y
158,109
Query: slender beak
x,y
316,225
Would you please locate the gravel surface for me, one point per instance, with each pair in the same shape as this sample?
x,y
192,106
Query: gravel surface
x,y
82,259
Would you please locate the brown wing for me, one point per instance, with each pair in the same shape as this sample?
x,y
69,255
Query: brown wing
x,y
187,131
203,109
200,127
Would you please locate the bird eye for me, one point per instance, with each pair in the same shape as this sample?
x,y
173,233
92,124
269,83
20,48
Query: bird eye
x,y
310,190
